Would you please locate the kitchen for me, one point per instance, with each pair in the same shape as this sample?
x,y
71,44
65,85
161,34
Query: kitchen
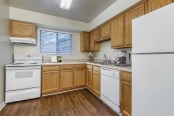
x,y
81,61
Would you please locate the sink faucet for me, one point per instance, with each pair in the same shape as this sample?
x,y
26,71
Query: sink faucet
x,y
106,61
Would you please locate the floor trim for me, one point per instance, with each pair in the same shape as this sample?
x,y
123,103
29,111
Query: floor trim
x,y
45,95
3,104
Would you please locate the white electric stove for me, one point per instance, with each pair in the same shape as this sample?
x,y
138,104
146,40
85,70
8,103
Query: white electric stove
x,y
23,78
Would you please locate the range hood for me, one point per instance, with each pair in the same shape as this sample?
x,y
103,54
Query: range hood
x,y
23,40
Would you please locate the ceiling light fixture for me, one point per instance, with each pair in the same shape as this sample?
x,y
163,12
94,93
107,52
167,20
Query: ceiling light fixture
x,y
65,4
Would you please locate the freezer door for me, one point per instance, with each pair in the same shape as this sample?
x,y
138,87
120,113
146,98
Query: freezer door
x,y
153,85
154,32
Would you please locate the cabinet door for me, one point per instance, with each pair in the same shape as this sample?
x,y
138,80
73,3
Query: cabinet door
x,y
50,81
96,82
93,46
84,41
22,29
156,4
117,31
106,30
89,78
126,94
66,79
130,15
97,34
79,76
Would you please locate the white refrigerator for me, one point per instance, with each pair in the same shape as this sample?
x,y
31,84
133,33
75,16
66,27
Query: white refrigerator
x,y
153,63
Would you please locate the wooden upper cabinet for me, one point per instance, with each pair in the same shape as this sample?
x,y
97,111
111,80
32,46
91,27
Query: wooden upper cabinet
x,y
126,93
79,75
93,46
96,80
66,77
84,41
97,34
117,31
130,15
22,29
106,30
156,4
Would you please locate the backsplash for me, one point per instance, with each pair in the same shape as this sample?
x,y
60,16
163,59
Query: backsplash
x,y
105,48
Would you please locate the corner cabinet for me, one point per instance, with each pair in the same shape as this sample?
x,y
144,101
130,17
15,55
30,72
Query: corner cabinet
x,y
94,47
22,29
66,77
134,13
79,75
84,42
156,4
96,80
50,79
126,93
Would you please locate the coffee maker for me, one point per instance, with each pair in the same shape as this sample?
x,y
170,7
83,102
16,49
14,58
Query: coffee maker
x,y
123,58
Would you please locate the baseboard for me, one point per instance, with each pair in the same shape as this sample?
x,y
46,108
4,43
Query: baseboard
x,y
63,91
2,105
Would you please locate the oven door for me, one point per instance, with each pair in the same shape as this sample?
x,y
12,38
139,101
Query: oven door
x,y
23,78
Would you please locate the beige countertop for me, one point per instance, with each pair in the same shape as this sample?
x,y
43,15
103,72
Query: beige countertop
x,y
128,69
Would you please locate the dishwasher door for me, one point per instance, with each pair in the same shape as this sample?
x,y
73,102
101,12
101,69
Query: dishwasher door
x,y
110,88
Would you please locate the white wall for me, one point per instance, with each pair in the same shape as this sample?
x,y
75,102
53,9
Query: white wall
x,y
26,49
47,20
116,8
67,24
6,48
105,48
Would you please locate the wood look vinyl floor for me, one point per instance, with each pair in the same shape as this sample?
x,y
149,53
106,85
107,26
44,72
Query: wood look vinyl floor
x,y
76,103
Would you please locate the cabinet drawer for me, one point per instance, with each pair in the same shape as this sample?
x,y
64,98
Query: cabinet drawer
x,y
67,66
96,69
50,68
89,67
80,66
126,76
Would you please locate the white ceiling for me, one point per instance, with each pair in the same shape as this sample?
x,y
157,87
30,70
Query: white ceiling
x,y
81,10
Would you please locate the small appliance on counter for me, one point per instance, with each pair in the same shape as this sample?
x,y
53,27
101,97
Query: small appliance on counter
x,y
123,59
55,59
23,78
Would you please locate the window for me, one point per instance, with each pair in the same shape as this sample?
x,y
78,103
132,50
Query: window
x,y
52,42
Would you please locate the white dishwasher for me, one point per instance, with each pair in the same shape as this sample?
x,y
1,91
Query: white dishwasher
x,y
110,88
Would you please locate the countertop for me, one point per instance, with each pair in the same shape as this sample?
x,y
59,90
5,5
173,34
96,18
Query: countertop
x,y
128,69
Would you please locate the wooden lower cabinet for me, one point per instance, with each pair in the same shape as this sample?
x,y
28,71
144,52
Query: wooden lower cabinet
x,y
96,80
50,82
126,93
66,77
89,77
79,76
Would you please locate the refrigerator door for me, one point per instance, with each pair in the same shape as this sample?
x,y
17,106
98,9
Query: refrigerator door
x,y
153,85
154,32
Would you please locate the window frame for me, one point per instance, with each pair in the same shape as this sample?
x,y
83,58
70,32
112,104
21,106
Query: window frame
x,y
56,31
